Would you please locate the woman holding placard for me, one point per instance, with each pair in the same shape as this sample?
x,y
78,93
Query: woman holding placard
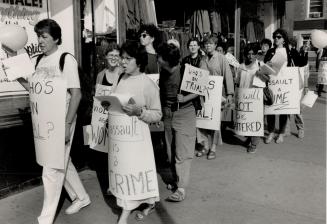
x,y
244,79
217,66
276,57
58,169
132,158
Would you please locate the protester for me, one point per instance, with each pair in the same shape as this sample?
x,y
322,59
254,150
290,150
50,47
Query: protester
x,y
149,38
179,119
265,45
275,58
196,59
244,79
108,78
217,66
49,37
146,106
110,74
301,59
321,59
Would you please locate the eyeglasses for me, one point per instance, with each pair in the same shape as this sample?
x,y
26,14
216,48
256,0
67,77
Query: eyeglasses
x,y
144,35
278,36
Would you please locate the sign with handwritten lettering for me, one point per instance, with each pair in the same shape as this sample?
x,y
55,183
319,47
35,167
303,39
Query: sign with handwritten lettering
x,y
132,170
99,122
322,73
285,88
48,120
209,116
194,80
248,116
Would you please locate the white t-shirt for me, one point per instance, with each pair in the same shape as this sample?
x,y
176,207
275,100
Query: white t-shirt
x,y
50,63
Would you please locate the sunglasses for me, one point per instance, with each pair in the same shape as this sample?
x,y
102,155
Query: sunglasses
x,y
278,36
144,35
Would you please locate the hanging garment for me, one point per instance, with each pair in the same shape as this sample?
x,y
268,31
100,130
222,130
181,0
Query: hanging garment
x,y
250,34
215,22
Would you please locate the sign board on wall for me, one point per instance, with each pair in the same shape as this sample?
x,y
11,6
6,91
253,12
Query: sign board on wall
x,y
26,14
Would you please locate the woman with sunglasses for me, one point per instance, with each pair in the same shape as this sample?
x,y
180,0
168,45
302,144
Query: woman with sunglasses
x,y
149,35
276,57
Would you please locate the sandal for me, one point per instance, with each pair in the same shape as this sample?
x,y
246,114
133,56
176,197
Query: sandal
x,y
211,155
177,196
141,215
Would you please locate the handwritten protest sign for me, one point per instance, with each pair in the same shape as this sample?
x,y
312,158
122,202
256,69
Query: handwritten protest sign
x,y
99,123
248,116
194,80
209,116
322,73
132,170
285,88
48,120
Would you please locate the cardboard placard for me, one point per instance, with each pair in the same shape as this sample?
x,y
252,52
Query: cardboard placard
x,y
322,73
132,170
48,120
209,116
99,136
248,116
194,80
285,88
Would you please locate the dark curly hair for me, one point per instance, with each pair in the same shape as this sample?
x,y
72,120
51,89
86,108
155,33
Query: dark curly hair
x,y
153,31
137,51
169,53
283,33
49,26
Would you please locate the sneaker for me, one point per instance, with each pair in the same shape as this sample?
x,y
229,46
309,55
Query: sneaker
x,y
301,133
280,139
77,205
269,138
251,149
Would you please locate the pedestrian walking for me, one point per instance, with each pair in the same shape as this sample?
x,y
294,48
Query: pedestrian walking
x,y
49,38
145,107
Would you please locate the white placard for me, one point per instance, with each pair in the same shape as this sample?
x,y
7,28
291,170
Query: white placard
x,y
248,116
309,99
285,88
194,80
48,120
322,73
209,116
99,123
132,170
18,66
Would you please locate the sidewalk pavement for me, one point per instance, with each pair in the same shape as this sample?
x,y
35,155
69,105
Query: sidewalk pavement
x,y
279,184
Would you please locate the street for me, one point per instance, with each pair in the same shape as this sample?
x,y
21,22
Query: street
x,y
279,184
